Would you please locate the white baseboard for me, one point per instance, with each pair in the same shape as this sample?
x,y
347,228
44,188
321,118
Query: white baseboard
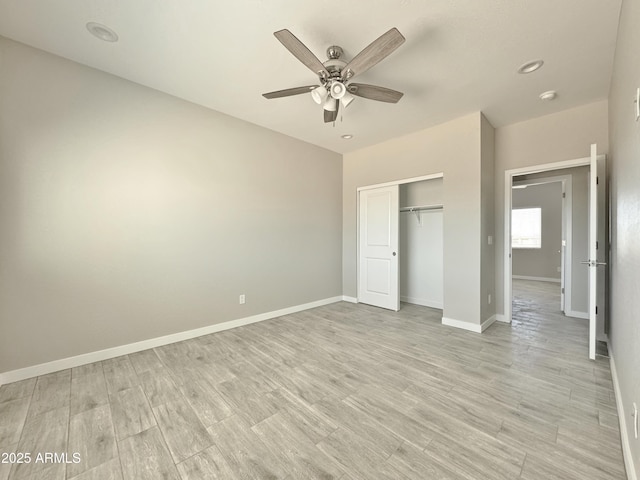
x,y
488,322
346,298
472,327
500,317
78,360
574,314
624,434
422,302
537,279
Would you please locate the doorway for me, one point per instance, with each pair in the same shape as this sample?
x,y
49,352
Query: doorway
x,y
542,232
596,289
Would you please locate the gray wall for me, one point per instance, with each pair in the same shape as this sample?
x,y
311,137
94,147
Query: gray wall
x,y
454,149
426,192
624,167
541,262
127,214
558,137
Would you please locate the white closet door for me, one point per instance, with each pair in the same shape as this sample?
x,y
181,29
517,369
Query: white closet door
x,y
378,247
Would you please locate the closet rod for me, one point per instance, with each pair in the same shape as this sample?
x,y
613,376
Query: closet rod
x,y
422,207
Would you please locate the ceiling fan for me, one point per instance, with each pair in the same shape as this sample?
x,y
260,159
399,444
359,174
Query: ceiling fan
x,y
335,74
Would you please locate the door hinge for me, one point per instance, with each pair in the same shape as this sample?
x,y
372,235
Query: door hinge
x,y
564,195
562,289
597,180
596,245
596,309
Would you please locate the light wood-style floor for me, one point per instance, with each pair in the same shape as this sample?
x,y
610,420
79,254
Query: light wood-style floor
x,y
339,392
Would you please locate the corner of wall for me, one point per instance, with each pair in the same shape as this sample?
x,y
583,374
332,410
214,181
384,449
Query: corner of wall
x,y
487,226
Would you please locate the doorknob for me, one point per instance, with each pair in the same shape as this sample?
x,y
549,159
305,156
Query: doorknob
x,y
394,254
593,263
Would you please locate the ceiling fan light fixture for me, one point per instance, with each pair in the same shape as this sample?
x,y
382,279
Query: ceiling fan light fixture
x,y
347,99
331,104
319,95
338,90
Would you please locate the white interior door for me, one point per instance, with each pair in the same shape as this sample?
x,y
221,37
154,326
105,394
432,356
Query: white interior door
x,y
597,184
378,247
563,247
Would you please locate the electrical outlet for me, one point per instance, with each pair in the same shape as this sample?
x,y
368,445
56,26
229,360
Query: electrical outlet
x,y
490,240
489,299
242,299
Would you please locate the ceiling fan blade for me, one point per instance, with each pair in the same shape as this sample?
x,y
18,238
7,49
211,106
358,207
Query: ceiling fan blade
x,y
301,52
379,49
373,92
331,115
289,91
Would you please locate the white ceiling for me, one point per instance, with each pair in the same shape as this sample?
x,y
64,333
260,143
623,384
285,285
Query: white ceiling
x,y
459,57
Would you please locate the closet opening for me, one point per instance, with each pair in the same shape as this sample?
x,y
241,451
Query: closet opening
x,y
400,243
421,243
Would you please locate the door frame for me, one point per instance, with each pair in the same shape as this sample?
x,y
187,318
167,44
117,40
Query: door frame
x,y
379,185
507,253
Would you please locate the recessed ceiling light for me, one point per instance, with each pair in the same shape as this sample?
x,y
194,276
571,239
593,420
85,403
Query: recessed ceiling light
x,y
102,32
348,136
530,67
548,96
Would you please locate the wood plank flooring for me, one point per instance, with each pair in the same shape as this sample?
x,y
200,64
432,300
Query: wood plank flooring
x,y
344,392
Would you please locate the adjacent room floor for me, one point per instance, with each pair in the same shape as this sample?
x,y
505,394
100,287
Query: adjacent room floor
x,y
339,392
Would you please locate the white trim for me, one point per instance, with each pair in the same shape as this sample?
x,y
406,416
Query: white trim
x,y
78,360
472,327
624,434
403,181
508,181
501,318
536,279
346,298
547,167
488,322
574,314
422,302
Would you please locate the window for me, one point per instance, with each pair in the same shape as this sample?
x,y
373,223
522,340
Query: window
x,y
526,228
